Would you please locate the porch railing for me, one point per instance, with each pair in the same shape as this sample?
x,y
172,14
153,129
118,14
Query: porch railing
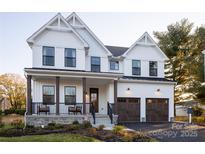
x,y
40,108
110,111
93,112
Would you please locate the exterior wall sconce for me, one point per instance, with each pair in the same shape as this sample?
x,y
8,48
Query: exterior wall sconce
x,y
158,93
128,92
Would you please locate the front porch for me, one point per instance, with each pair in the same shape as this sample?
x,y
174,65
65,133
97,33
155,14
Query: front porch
x,y
88,98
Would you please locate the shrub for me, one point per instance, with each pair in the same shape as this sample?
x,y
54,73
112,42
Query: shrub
x,y
1,125
75,122
9,111
1,112
72,127
17,124
128,138
101,127
30,126
11,132
20,111
197,111
15,111
86,124
117,129
198,119
92,131
53,126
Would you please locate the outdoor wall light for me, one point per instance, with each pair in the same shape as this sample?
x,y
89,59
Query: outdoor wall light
x,y
128,89
157,92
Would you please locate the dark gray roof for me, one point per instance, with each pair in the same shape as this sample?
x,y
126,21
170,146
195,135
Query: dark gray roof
x,y
147,78
116,51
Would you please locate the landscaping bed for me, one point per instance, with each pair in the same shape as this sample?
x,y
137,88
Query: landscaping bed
x,y
199,120
118,134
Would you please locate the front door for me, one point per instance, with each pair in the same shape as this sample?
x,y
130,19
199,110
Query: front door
x,y
94,98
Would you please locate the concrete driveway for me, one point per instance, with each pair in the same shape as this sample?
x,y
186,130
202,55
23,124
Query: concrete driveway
x,y
171,132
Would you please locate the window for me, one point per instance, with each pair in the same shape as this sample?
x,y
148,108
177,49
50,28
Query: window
x,y
153,68
70,95
114,65
95,64
48,95
48,56
136,67
70,57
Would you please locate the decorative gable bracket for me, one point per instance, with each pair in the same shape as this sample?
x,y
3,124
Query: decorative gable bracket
x,y
57,23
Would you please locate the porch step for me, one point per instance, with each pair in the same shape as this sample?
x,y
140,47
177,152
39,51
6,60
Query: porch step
x,y
102,120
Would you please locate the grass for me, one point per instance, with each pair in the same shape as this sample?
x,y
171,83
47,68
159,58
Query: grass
x,y
50,138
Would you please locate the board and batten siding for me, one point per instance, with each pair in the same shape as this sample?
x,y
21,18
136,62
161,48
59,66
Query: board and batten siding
x,y
59,40
144,54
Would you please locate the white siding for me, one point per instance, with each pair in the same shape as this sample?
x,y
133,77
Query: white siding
x,y
145,54
103,95
148,90
95,49
60,41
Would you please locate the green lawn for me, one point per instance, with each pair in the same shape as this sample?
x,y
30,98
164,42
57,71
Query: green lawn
x,y
49,138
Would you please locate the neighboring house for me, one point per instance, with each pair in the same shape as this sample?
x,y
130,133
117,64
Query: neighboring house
x,y
74,76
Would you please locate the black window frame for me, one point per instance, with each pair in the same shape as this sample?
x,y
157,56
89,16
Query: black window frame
x,y
114,61
95,65
69,103
45,102
44,56
151,70
136,69
66,64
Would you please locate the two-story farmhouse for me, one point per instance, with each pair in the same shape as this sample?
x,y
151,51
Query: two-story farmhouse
x,y
74,76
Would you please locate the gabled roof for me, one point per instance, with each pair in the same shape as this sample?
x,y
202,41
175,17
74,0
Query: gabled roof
x,y
60,20
81,24
117,51
146,40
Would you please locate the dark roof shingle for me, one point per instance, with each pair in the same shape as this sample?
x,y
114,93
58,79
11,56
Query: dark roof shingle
x,y
147,78
116,51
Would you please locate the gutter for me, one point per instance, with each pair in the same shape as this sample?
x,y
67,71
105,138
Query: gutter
x,y
147,81
70,73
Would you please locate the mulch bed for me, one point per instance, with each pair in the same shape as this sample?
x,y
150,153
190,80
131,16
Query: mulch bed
x,y
103,135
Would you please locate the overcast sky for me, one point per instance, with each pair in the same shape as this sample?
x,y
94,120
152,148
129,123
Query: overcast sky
x,y
121,29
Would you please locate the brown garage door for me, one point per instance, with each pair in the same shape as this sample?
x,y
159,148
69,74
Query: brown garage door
x,y
128,109
157,109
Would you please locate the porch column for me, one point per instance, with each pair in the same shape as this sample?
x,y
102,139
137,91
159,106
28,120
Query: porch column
x,y
28,98
115,95
84,95
57,95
